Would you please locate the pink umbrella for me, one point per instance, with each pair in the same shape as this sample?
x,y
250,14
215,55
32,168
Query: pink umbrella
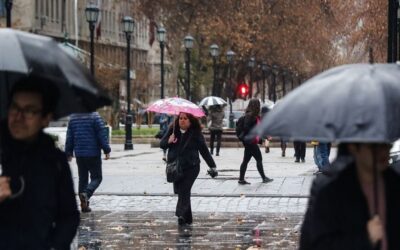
x,y
174,106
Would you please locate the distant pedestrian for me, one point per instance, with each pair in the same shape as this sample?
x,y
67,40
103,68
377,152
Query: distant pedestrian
x,y
185,141
216,114
86,137
38,208
165,121
283,147
264,111
322,152
299,151
251,149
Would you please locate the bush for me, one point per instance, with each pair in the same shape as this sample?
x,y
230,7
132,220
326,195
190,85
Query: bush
x,y
135,131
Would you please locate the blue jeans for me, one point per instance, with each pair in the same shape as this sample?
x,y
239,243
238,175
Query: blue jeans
x,y
86,166
321,155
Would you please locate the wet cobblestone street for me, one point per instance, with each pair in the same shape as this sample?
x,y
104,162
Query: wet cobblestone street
x,y
134,206
159,230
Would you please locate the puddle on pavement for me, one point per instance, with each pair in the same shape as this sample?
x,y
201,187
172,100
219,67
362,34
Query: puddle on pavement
x,y
159,230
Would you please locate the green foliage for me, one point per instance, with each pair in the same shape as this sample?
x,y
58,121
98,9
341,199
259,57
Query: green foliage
x,y
138,132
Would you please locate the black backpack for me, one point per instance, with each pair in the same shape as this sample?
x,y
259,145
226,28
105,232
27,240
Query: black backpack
x,y
239,128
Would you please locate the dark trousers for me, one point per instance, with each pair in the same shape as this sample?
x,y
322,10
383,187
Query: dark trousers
x,y
183,189
299,150
251,150
86,166
283,145
213,134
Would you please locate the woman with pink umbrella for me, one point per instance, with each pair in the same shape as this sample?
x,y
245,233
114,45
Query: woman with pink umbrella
x,y
185,141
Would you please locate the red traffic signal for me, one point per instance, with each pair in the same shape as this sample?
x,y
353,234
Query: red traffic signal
x,y
242,90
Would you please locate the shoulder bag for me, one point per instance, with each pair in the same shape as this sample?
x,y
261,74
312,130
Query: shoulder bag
x,y
174,169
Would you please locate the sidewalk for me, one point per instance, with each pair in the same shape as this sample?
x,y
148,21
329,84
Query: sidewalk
x,y
141,172
134,206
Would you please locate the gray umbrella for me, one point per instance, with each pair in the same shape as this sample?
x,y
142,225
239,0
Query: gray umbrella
x,y
351,103
23,54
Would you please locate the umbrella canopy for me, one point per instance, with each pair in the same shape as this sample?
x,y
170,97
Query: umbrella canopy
x,y
351,103
212,101
24,54
174,106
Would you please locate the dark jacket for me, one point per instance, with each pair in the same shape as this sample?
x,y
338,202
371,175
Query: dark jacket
x,y
45,215
86,135
189,155
337,212
250,122
217,119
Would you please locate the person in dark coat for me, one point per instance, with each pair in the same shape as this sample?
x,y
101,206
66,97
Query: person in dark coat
x,y
341,212
185,140
38,208
165,121
251,149
264,111
299,151
216,114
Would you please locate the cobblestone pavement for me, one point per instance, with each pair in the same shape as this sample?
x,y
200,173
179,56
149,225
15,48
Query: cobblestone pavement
x,y
142,172
200,204
134,206
214,230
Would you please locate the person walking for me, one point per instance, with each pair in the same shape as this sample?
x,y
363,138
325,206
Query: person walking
x,y
264,111
347,209
251,149
86,136
283,147
216,115
299,151
185,141
322,151
38,208
165,121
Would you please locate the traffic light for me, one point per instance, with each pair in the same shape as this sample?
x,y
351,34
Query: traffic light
x,y
242,90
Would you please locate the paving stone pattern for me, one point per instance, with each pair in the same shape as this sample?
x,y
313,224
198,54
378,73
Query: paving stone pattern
x,y
134,206
159,230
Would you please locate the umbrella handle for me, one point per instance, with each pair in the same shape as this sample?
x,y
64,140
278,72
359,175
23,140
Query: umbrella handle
x,y
20,191
375,181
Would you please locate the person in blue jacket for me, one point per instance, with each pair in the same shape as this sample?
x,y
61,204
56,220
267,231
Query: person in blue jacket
x,y
86,137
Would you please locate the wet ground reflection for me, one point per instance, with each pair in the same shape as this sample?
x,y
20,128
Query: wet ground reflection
x,y
160,230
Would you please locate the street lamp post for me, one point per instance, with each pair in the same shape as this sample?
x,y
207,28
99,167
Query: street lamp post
x,y
397,33
229,56
214,51
129,25
264,69
188,42
8,4
161,32
284,74
292,80
92,14
275,71
250,64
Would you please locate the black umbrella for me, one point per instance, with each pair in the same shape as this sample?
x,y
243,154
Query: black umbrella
x,y
24,54
350,103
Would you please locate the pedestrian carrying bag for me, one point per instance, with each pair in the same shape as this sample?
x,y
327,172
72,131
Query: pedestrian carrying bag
x,y
239,130
174,169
